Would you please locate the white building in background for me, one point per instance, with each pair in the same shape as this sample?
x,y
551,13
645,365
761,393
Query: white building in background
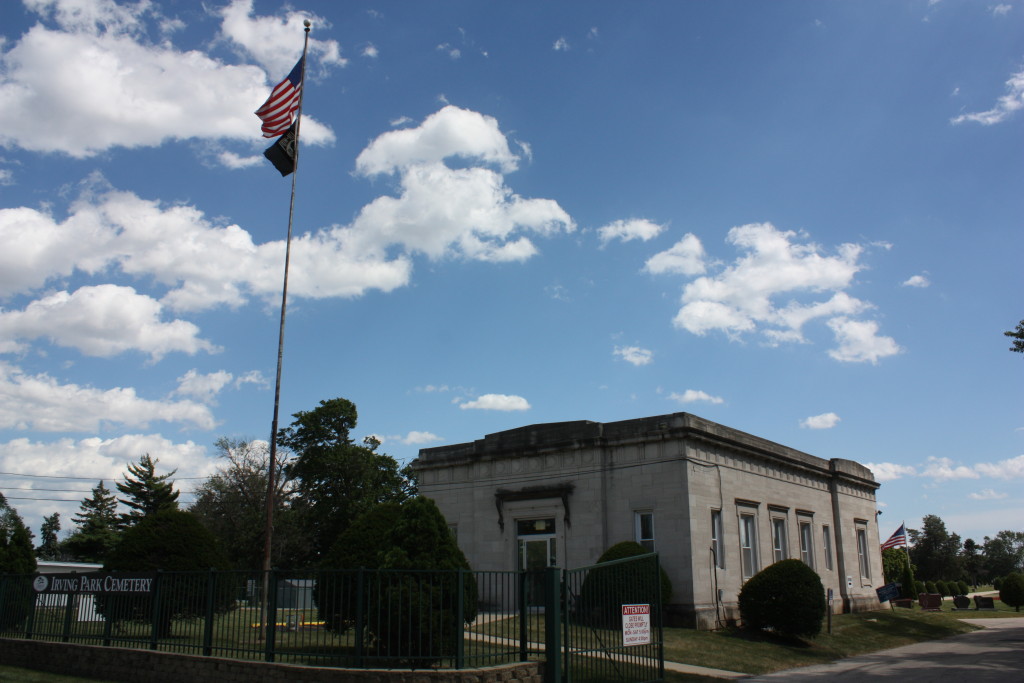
x,y
717,504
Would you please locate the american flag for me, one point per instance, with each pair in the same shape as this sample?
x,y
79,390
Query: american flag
x,y
897,539
279,109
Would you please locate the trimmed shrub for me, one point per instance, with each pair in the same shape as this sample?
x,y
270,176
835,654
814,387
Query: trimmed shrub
x,y
962,588
997,582
786,597
411,615
606,588
1012,591
942,588
907,584
930,587
919,588
172,541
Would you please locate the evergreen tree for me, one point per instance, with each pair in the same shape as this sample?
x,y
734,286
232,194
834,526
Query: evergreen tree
x,y
49,548
147,492
16,557
96,523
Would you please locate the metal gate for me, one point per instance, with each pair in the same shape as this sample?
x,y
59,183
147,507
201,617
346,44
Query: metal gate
x,y
608,622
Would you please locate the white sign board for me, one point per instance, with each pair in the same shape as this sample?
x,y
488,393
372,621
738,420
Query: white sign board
x,y
636,625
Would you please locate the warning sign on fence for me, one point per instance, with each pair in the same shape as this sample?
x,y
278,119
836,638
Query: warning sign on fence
x,y
636,624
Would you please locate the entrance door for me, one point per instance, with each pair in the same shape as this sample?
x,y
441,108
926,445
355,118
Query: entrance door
x,y
537,550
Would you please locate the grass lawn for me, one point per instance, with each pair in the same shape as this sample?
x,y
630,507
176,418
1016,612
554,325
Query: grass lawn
x,y
852,634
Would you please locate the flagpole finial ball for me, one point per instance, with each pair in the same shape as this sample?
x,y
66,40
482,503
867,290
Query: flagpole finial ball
x,y
305,22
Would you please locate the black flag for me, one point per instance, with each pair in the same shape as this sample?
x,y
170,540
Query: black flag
x,y
282,153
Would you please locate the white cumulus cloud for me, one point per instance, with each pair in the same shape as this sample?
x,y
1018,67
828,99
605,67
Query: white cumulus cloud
x,y
628,230
1004,107
695,396
41,403
823,421
634,355
889,471
917,281
987,494
744,297
501,402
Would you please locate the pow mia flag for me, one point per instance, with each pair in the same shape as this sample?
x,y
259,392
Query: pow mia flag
x,y
282,153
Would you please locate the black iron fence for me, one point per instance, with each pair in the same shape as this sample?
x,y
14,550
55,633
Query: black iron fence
x,y
357,618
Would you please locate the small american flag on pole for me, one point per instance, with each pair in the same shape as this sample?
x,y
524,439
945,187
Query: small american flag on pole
x,y
279,110
897,539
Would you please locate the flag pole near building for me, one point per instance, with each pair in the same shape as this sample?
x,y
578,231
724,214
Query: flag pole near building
x,y
278,113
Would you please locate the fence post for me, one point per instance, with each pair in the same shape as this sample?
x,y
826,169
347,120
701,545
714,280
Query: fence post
x,y
211,580
524,617
660,608
552,625
460,622
271,625
69,604
360,617
154,630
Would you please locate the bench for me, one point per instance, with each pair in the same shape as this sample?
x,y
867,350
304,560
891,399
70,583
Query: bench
x,y
930,602
984,602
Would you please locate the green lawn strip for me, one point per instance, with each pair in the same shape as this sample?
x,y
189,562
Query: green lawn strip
x,y
852,634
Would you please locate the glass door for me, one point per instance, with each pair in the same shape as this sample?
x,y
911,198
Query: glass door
x,y
537,550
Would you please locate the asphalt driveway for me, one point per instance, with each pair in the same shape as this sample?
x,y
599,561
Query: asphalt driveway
x,y
995,653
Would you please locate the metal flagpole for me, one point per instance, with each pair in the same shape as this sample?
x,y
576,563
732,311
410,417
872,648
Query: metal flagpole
x,y
272,468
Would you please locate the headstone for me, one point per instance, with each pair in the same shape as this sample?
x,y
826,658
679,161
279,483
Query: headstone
x,y
961,602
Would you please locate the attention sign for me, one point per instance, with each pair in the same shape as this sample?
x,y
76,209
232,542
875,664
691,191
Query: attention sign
x,y
636,624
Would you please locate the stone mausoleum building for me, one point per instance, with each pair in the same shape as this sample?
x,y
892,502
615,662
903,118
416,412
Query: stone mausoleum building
x,y
717,505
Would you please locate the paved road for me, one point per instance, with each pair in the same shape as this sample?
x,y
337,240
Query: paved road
x,y
995,653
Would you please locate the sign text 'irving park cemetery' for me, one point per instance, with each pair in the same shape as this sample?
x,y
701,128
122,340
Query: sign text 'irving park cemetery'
x,y
94,582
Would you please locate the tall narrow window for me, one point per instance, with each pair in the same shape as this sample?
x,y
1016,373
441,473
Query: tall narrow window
x,y
748,545
645,529
807,544
826,534
717,546
862,553
779,538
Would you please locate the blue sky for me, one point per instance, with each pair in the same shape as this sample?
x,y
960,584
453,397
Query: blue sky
x,y
798,219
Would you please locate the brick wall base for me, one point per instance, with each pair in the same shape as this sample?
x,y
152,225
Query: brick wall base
x,y
130,666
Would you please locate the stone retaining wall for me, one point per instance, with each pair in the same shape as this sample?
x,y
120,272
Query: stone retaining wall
x,y
124,664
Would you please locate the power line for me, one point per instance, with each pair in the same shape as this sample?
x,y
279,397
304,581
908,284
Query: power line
x,y
54,476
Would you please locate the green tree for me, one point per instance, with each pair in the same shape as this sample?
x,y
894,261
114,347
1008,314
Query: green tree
x,y
1012,590
146,492
893,560
232,505
611,584
972,561
1004,553
96,526
176,542
934,551
49,546
411,615
1017,336
786,597
336,480
18,558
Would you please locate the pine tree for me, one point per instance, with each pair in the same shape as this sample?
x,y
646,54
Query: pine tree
x,y
147,493
49,548
96,523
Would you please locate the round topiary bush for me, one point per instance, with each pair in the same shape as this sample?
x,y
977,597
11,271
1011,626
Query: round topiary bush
x,y
1012,591
997,582
606,588
943,589
930,587
919,588
962,588
786,597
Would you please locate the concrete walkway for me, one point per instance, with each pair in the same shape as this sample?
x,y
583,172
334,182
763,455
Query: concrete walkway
x,y
995,653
